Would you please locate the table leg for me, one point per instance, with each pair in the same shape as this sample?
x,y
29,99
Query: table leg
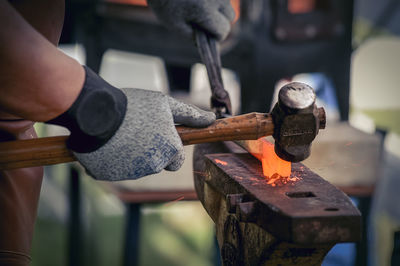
x,y
131,249
75,232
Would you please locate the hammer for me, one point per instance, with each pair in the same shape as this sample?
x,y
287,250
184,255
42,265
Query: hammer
x,y
294,123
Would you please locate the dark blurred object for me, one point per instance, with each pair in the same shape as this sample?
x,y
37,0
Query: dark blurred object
x,y
396,249
306,20
385,15
374,20
286,41
269,41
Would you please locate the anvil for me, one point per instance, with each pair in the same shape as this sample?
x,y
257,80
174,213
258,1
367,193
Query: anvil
x,y
295,220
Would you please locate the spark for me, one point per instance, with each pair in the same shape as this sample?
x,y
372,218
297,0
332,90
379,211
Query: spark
x,y
199,173
277,180
175,200
238,177
221,162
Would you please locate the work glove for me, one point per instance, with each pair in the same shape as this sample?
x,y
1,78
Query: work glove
x,y
211,16
129,133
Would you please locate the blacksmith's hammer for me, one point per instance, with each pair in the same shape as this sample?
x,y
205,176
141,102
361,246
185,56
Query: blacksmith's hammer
x,y
294,122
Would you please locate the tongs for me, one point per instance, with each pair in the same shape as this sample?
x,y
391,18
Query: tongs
x,y
209,54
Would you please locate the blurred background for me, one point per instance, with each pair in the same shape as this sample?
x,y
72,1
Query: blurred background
x,y
348,51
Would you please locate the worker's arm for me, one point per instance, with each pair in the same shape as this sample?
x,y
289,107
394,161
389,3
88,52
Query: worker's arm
x,y
115,134
37,81
212,16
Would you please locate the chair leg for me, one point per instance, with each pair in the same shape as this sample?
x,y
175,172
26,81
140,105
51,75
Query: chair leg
x,y
131,249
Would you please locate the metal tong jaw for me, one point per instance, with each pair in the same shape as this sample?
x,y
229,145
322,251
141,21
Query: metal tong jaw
x,y
209,54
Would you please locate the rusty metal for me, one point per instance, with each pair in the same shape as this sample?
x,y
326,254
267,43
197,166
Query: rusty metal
x,y
306,211
261,224
297,121
209,54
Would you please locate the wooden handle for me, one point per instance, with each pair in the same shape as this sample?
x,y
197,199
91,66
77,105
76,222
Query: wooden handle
x,y
248,126
53,150
34,152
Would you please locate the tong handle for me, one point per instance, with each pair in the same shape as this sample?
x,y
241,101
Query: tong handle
x,y
209,54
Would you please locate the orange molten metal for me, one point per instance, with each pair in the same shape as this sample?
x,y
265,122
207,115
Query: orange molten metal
x,y
263,150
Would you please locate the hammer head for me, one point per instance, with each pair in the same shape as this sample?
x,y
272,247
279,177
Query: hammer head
x,y
297,121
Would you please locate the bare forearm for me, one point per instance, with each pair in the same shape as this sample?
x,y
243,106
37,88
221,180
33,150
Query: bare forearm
x,y
37,81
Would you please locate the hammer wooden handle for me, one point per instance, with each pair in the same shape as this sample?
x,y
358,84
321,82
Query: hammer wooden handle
x,y
34,152
248,126
53,150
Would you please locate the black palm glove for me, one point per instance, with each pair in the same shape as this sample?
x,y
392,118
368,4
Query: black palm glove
x,y
126,134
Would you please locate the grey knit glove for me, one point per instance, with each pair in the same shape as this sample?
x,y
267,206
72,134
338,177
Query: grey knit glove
x,y
147,141
212,16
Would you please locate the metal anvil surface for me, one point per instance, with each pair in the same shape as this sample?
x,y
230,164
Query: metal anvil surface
x,y
263,223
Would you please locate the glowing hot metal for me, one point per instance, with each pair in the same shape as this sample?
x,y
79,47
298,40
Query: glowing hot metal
x,y
263,150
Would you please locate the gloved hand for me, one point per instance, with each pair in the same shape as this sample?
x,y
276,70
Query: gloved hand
x,y
129,133
212,16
